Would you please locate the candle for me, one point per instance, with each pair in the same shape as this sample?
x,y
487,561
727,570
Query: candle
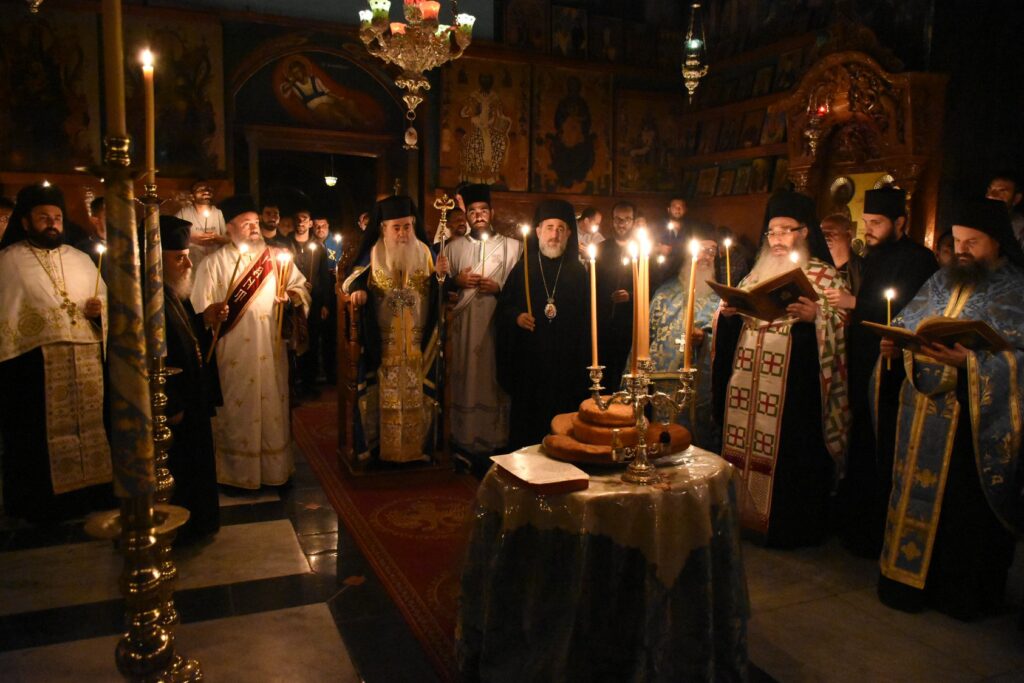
x,y
429,10
150,106
688,318
728,265
890,294
633,255
100,249
283,259
644,299
113,71
592,255
242,249
525,229
483,243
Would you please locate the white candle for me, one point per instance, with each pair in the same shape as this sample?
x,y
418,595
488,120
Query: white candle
x,y
101,250
728,266
688,318
525,230
592,255
150,111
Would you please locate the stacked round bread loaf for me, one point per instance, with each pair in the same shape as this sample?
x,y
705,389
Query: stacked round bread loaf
x,y
589,435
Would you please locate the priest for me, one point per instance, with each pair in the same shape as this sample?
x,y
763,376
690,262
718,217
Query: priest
x,y
781,386
956,492
193,394
397,291
56,457
543,356
240,291
481,262
667,327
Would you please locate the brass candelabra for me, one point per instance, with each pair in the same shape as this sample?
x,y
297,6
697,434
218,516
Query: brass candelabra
x,y
638,395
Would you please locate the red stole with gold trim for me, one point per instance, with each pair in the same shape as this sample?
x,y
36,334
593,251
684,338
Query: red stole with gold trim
x,y
245,291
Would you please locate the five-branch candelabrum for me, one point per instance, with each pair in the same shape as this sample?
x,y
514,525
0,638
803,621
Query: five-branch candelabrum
x,y
638,395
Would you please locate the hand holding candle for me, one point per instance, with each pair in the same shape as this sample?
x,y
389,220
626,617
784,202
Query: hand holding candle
x,y
525,230
592,255
688,317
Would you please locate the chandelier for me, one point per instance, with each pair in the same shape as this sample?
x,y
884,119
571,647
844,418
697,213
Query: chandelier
x,y
695,52
33,6
415,47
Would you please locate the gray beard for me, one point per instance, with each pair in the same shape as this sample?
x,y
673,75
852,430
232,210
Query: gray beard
x,y
704,273
552,252
768,265
181,286
402,257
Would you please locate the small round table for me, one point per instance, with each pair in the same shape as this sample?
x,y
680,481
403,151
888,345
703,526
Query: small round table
x,y
613,583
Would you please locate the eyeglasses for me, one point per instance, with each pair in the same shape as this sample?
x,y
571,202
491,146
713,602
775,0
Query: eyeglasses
x,y
782,232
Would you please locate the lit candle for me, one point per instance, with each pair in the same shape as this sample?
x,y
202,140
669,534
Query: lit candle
x,y
150,107
101,250
728,265
525,229
794,257
890,294
644,299
429,10
113,59
688,318
661,259
283,259
242,249
483,255
592,255
397,28
633,256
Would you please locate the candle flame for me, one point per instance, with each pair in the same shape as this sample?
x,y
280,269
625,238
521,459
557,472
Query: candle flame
x,y
694,248
728,242
101,248
337,237
46,183
625,261
146,57
312,246
484,236
890,294
634,251
283,257
661,259
206,213
243,247
794,257
592,252
525,229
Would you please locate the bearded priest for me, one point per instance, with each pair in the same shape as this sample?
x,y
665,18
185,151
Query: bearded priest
x,y
780,387
237,290
543,357
397,291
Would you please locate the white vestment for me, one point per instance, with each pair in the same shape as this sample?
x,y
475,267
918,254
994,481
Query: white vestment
x,y
34,315
252,431
479,406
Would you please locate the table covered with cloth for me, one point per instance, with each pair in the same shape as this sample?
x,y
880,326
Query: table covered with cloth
x,y
616,582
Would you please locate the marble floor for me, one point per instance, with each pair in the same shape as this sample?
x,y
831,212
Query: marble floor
x,y
304,605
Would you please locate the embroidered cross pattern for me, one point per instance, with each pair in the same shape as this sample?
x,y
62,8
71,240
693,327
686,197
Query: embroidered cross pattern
x,y
772,363
767,404
739,398
735,436
745,359
764,443
818,275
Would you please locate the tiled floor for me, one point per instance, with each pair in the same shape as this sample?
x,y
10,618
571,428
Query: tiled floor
x,y
304,605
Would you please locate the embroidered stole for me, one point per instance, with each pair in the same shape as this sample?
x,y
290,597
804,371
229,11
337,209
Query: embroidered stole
x,y
245,291
928,406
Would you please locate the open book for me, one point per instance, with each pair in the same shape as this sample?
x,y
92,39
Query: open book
x,y
767,300
543,474
972,334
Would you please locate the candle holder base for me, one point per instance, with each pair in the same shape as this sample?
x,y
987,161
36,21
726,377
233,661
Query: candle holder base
x,y
641,474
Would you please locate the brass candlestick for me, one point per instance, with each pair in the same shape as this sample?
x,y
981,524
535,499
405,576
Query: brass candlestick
x,y
638,395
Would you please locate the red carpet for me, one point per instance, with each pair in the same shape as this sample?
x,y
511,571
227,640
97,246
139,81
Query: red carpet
x,y
411,526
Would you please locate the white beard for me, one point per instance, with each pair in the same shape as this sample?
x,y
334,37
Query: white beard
x,y
403,257
182,286
552,252
704,273
768,265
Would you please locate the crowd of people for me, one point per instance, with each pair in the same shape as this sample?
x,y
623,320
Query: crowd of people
x,y
909,455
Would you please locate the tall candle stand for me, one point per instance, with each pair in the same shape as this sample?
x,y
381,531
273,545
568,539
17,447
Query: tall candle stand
x,y
638,394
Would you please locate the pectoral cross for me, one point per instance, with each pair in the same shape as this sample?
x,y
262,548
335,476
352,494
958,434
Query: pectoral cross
x,y
681,341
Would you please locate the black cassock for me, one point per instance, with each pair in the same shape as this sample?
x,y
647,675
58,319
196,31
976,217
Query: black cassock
x,y
312,263
196,392
614,321
544,371
863,498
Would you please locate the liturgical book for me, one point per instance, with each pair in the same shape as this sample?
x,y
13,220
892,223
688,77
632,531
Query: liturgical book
x,y
975,335
767,300
543,474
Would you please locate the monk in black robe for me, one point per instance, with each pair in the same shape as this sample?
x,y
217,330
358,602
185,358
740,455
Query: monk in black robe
x,y
615,297
543,358
192,394
894,261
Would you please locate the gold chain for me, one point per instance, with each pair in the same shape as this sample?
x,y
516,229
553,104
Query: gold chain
x,y
68,305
